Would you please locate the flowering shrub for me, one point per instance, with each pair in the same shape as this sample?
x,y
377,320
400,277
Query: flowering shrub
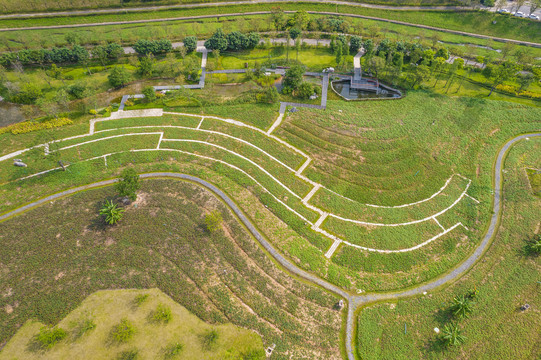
x,y
27,126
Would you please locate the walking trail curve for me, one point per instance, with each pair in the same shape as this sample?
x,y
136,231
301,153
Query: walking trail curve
x,y
355,301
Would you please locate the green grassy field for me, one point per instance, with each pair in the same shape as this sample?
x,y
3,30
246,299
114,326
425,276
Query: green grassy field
x,y
505,278
35,6
469,21
221,277
106,309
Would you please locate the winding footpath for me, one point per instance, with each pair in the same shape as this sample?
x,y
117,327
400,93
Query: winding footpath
x,y
355,301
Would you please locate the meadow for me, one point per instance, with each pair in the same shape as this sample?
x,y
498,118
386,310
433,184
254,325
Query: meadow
x,y
221,277
506,279
478,22
151,315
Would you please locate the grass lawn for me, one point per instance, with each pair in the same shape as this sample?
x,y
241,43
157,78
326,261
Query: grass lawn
x,y
33,6
105,309
505,278
470,21
386,153
534,176
221,277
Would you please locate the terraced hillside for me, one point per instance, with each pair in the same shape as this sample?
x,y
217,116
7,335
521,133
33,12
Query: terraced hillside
x,y
222,276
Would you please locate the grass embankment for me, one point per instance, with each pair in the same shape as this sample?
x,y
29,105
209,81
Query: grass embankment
x,y
89,329
505,277
477,22
347,149
57,5
221,277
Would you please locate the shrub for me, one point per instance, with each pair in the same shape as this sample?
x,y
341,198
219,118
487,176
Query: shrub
x,y
150,94
213,221
47,338
83,327
92,112
305,90
173,350
209,339
27,126
122,332
162,314
128,355
140,299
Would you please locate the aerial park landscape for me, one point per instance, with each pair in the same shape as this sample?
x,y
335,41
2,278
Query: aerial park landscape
x,y
272,179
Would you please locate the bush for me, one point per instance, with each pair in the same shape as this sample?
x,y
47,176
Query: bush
x,y
150,94
122,332
209,339
162,314
27,126
47,338
154,47
128,355
83,327
29,93
173,350
140,299
213,221
305,90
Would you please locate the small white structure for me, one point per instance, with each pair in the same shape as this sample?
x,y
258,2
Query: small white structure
x,y
329,70
340,304
19,163
313,97
436,330
270,349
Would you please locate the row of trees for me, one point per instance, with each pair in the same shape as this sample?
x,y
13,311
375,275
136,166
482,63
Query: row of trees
x,y
234,41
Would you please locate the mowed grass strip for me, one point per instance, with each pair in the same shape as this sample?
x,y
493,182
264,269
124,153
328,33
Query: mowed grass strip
x,y
181,258
261,116
505,278
283,153
383,237
357,211
107,146
166,119
287,178
374,271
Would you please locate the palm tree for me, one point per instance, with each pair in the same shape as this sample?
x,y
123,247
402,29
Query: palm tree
x,y
112,212
461,307
451,335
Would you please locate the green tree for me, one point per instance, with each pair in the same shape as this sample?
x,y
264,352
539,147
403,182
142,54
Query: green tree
x,y
498,74
146,65
524,81
111,212
376,64
452,335
100,53
128,184
150,94
419,73
118,77
338,54
217,41
213,221
190,43
355,43
461,306
294,33
293,78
